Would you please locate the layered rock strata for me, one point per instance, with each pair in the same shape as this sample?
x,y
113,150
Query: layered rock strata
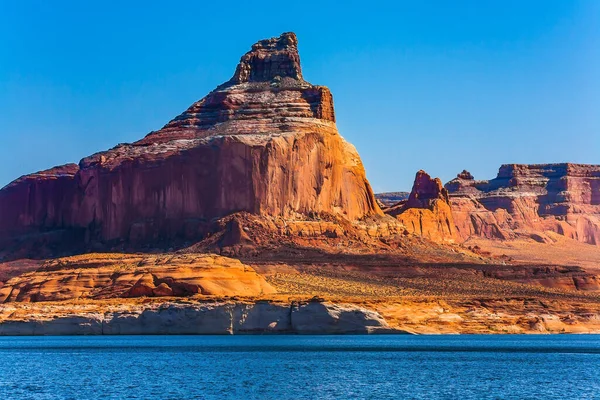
x,y
102,276
427,211
264,142
528,200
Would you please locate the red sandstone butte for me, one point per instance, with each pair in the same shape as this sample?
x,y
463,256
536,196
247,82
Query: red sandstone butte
x,y
527,200
427,211
264,142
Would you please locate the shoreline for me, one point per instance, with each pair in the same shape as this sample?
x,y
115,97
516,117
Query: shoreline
x,y
309,317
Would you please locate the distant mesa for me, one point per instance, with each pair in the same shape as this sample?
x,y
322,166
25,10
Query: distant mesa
x,y
465,175
388,199
524,201
528,200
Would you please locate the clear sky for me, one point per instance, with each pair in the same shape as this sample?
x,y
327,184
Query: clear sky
x,y
434,85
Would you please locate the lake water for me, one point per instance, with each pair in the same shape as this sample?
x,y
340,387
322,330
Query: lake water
x,y
300,367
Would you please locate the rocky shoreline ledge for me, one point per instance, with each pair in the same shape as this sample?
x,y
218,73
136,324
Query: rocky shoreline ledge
x,y
231,316
220,318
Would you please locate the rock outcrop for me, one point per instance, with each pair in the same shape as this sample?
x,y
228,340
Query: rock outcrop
x,y
102,276
222,318
427,211
265,142
528,200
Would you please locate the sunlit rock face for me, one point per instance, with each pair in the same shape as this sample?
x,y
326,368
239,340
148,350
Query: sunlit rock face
x,y
108,275
529,200
264,142
427,211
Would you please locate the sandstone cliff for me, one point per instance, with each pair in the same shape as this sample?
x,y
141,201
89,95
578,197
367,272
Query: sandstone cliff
x,y
265,142
528,200
427,211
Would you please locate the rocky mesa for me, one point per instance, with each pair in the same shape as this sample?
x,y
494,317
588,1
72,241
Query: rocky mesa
x,y
528,200
265,142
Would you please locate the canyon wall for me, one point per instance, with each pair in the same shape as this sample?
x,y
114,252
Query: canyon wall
x,y
527,200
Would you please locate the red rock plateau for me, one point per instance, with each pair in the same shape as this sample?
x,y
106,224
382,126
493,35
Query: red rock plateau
x,y
427,211
529,200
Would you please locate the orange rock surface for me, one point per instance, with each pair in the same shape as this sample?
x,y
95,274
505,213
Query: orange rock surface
x,y
427,211
100,276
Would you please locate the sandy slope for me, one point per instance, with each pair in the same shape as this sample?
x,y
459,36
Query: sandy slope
x,y
560,250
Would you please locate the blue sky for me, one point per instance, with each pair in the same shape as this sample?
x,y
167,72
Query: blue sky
x,y
434,85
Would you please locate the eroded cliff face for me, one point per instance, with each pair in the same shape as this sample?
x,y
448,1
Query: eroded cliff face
x,y
427,211
527,200
264,142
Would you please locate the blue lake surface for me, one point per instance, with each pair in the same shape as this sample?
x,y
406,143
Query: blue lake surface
x,y
301,367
